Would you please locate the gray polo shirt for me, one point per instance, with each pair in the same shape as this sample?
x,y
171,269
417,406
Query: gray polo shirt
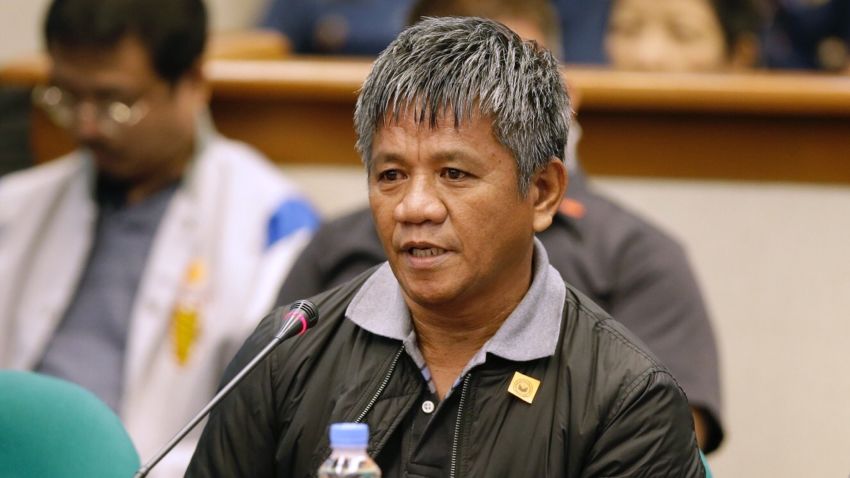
x,y
530,332
89,344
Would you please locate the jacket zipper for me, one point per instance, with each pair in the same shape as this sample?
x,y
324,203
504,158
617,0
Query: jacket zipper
x,y
456,439
381,388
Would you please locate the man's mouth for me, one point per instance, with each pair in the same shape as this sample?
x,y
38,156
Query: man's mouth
x,y
425,252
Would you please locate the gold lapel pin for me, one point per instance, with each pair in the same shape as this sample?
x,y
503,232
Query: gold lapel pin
x,y
523,387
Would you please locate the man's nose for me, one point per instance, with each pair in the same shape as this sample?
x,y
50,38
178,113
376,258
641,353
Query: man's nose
x,y
85,122
421,203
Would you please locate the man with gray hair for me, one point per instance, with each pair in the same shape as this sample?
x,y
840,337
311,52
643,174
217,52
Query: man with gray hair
x,y
465,353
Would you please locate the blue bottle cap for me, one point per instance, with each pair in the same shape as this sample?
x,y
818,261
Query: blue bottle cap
x,y
349,434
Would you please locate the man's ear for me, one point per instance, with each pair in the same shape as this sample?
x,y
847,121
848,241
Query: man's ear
x,y
547,188
196,80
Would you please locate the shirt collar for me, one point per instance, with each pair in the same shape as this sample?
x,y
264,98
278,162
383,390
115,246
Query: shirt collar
x,y
530,332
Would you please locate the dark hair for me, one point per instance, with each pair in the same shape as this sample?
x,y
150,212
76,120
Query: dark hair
x,y
469,67
738,19
174,32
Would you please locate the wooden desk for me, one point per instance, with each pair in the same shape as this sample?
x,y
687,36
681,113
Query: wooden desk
x,y
759,126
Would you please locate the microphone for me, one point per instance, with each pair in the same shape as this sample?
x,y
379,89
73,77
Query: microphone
x,y
301,316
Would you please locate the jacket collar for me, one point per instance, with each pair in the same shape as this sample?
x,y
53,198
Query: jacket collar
x,y
530,332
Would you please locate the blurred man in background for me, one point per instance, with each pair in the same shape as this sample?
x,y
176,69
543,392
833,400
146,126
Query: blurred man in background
x,y
137,264
632,269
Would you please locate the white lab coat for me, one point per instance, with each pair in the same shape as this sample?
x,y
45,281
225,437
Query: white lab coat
x,y
219,216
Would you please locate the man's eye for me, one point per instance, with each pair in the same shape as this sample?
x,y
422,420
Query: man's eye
x,y
453,174
389,175
684,33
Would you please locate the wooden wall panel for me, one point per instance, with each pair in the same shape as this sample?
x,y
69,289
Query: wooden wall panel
x,y
746,126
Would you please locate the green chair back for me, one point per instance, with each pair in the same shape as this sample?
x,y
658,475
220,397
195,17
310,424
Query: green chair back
x,y
708,473
53,428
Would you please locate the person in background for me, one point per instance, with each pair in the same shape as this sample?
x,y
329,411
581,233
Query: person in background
x,y
683,35
137,264
635,271
465,353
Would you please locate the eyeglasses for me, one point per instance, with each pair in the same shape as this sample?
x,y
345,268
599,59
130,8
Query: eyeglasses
x,y
64,109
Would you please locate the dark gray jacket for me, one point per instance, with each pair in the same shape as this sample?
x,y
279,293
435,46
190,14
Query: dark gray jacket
x,y
605,407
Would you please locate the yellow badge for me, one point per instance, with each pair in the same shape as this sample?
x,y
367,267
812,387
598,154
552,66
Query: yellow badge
x,y
185,320
523,387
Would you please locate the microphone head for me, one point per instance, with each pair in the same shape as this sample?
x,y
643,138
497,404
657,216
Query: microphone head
x,y
302,315
308,309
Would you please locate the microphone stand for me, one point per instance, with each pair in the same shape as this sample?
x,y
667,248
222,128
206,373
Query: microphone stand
x,y
284,333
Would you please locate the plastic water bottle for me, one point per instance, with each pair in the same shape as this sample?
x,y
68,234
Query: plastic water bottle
x,y
348,456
